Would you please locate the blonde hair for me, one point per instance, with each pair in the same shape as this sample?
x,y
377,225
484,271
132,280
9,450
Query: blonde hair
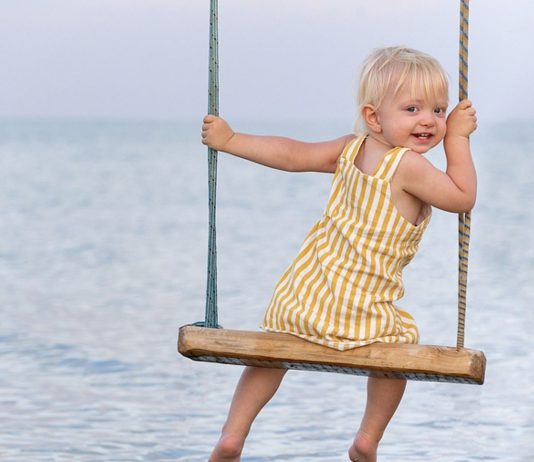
x,y
399,66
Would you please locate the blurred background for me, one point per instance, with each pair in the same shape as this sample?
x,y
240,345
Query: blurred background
x,y
103,228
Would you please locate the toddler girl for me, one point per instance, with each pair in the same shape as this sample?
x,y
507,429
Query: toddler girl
x,y
341,288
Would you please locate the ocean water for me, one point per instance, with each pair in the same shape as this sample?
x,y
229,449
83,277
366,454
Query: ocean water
x,y
102,257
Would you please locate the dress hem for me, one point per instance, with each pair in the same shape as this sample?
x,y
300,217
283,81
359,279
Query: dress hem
x,y
339,345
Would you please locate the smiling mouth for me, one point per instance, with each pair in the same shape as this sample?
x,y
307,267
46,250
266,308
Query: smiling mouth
x,y
422,136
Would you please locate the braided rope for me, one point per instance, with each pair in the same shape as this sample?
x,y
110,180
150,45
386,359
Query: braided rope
x,y
464,219
210,319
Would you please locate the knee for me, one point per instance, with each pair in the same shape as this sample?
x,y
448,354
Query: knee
x,y
229,447
363,448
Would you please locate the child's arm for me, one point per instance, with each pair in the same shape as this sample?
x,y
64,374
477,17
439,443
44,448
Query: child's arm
x,y
455,189
273,151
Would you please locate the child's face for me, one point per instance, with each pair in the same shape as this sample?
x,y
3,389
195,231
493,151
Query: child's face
x,y
407,119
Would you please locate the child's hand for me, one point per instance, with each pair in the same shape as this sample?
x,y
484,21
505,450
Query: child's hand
x,y
216,132
462,120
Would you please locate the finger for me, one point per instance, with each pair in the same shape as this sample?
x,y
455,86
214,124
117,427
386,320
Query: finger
x,y
209,118
464,104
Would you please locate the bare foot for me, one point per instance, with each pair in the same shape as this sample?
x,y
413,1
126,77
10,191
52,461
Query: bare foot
x,y
228,449
363,449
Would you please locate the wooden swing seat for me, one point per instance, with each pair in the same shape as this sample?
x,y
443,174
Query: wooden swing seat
x,y
285,351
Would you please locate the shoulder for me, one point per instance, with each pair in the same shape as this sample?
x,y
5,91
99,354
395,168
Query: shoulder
x,y
329,152
416,175
347,139
413,166
345,142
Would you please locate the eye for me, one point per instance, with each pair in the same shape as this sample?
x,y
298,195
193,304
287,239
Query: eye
x,y
440,110
411,109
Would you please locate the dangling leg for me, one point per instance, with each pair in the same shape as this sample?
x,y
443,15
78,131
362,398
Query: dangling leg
x,y
254,390
383,398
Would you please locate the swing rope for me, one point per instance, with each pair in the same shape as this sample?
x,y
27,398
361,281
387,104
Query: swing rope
x,y
464,219
210,319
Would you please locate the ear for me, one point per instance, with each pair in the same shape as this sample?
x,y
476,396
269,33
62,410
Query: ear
x,y
371,118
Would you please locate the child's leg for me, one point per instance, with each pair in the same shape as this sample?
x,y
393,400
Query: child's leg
x,y
254,390
383,398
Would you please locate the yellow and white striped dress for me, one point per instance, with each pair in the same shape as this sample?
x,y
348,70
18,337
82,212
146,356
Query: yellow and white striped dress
x,y
340,289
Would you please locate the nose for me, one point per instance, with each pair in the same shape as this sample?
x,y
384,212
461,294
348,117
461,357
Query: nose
x,y
427,118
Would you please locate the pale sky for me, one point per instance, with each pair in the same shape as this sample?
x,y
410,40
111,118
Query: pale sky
x,y
279,58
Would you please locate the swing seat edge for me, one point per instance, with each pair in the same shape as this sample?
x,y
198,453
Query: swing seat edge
x,y
280,350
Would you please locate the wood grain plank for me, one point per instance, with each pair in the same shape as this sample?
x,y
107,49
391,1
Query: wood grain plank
x,y
269,349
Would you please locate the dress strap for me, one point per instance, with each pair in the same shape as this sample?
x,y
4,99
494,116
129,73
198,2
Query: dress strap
x,y
390,163
351,150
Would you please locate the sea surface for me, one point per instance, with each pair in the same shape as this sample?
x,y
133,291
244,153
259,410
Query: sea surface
x,y
103,244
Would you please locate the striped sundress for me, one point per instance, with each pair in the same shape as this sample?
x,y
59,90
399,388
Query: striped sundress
x,y
339,290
